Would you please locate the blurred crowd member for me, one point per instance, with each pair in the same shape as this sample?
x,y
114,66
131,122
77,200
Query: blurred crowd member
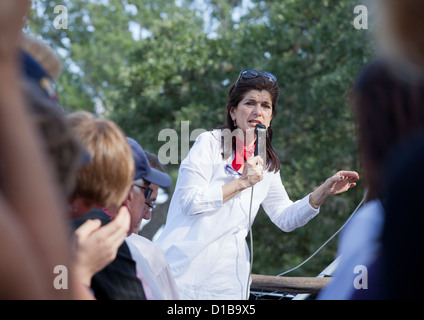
x,y
102,186
41,63
93,246
33,222
43,54
60,143
387,110
399,34
41,66
398,272
159,216
152,265
149,181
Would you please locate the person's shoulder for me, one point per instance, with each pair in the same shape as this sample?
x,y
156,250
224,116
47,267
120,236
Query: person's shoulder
x,y
94,213
372,211
211,136
365,225
211,140
206,150
370,214
145,246
140,240
273,174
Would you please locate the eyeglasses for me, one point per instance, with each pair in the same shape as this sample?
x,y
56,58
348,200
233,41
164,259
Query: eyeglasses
x,y
147,191
250,74
151,206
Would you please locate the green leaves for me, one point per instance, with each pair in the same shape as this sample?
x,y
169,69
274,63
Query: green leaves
x,y
149,65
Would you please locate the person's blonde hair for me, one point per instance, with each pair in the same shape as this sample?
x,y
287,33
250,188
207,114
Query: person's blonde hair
x,y
106,180
75,117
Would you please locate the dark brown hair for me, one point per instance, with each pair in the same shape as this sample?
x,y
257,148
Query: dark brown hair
x,y
387,109
235,95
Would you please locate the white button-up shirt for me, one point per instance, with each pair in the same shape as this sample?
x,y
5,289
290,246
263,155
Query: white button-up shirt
x,y
204,238
152,269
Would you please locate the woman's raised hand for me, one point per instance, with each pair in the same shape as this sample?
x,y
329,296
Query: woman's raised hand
x,y
338,183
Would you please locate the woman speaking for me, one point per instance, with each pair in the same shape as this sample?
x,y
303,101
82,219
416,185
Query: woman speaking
x,y
213,205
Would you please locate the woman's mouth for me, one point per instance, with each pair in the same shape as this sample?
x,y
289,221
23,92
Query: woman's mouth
x,y
254,122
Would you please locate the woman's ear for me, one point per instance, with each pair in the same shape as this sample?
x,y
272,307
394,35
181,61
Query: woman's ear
x,y
232,113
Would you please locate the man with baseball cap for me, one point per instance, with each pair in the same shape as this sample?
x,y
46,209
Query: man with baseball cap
x,y
143,169
152,266
140,192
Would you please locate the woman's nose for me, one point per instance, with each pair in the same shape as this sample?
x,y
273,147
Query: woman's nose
x,y
257,110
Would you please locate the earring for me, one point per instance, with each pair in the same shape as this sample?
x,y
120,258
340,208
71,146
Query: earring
x,y
235,123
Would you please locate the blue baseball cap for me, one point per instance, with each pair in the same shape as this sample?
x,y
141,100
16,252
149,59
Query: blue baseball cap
x,y
143,169
33,71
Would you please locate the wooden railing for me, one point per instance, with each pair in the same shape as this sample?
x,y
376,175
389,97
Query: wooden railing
x,y
292,285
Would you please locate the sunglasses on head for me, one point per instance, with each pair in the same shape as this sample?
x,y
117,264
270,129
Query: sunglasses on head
x,y
250,74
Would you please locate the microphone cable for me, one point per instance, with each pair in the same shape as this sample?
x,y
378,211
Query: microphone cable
x,y
331,238
251,245
260,149
322,246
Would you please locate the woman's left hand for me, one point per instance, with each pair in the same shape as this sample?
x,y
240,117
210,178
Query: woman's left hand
x,y
341,182
338,183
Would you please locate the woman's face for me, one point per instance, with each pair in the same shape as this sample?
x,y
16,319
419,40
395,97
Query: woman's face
x,y
254,108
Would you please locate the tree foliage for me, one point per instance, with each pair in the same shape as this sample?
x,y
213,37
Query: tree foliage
x,y
149,65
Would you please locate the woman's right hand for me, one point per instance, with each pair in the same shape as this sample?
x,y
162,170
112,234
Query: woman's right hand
x,y
253,171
